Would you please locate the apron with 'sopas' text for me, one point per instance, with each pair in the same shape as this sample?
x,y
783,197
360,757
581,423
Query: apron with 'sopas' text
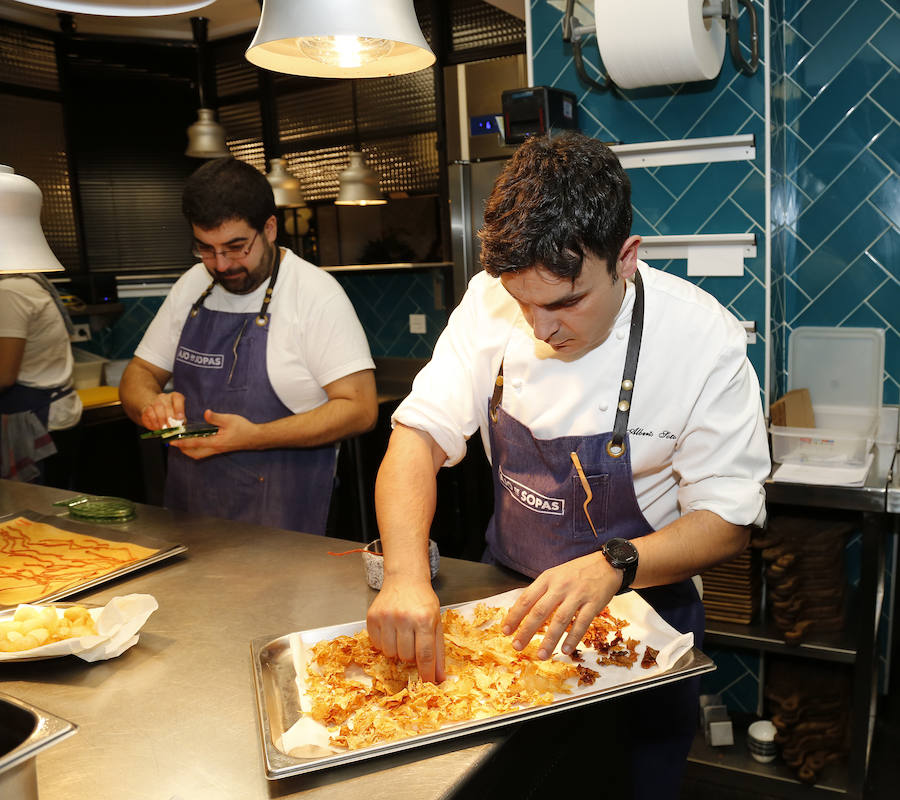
x,y
540,521
220,364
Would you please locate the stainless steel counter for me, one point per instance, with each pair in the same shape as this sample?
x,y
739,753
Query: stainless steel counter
x,y
175,716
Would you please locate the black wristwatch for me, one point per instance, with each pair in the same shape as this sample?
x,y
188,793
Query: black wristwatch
x,y
622,554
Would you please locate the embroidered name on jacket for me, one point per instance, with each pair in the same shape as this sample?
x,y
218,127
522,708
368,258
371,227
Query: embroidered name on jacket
x,y
530,498
205,360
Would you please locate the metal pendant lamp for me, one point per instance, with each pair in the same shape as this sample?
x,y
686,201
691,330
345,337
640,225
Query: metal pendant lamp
x,y
206,137
23,247
340,38
121,8
286,188
359,185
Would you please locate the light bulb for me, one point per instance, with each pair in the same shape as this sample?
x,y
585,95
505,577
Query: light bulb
x,y
344,51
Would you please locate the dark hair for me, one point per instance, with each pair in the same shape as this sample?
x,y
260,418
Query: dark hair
x,y
225,189
558,200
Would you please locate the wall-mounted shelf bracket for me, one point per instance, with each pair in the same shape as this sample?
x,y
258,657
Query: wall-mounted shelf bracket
x,y
686,151
713,254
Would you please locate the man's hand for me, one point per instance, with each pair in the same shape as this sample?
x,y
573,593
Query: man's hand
x,y
235,433
572,593
165,406
404,622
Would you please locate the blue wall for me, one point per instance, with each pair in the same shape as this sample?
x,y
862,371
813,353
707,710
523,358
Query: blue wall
x,y
725,197
836,205
835,153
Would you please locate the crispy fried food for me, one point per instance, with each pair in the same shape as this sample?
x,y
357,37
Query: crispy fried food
x,y
33,626
365,698
649,659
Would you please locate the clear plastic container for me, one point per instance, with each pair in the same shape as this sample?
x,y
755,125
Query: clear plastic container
x,y
88,369
842,368
842,436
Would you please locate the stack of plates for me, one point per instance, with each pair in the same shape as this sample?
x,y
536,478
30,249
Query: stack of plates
x,y
731,590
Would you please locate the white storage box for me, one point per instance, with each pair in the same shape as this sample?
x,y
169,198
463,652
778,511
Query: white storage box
x,y
88,369
886,439
842,368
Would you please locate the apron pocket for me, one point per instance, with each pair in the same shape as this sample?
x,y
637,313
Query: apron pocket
x,y
241,361
597,508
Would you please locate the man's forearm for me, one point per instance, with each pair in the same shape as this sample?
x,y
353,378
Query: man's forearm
x,y
137,389
330,422
686,547
405,501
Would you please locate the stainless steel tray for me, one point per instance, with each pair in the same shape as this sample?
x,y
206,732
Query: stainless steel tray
x,y
278,704
116,532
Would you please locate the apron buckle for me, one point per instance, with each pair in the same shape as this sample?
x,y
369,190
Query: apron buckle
x,y
615,449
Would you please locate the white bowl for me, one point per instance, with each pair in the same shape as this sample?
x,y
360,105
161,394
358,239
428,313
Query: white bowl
x,y
373,560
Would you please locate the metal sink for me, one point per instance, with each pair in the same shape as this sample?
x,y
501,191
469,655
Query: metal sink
x,y
25,731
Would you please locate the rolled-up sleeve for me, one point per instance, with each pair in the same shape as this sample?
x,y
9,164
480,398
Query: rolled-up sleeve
x,y
722,459
449,395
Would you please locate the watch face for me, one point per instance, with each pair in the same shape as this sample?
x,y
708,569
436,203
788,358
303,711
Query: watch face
x,y
621,551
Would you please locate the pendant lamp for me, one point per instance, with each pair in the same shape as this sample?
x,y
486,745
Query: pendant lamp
x,y
23,247
359,184
286,188
121,8
340,38
206,137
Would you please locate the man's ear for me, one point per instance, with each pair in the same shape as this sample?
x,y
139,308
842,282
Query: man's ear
x,y
626,265
270,229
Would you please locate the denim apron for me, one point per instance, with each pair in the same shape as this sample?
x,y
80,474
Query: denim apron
x,y
19,398
539,521
221,364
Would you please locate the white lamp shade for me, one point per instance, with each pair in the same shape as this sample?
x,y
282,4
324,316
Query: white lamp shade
x,y
121,8
340,38
206,138
23,247
286,188
359,184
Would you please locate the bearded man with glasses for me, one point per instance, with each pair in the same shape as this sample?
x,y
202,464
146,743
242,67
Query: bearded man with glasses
x,y
261,345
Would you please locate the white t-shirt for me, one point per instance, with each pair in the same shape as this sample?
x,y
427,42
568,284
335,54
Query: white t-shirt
x,y
315,336
696,427
27,311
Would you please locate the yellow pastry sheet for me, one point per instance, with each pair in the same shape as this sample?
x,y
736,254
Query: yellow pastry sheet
x,y
38,560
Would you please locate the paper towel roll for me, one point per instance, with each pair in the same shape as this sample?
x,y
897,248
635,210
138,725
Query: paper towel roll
x,y
655,42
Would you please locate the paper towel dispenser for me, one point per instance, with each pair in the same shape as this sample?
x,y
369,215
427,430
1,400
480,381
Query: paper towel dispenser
x,y
537,110
687,40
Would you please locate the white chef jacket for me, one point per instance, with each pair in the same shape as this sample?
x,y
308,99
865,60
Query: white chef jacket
x,y
696,427
315,337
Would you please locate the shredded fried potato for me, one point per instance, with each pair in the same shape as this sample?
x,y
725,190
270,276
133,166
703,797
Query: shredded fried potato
x,y
364,698
33,626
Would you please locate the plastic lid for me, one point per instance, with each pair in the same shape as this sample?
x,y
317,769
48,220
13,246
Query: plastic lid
x,y
839,366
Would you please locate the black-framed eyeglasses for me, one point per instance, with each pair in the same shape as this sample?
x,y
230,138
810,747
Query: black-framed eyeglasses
x,y
233,252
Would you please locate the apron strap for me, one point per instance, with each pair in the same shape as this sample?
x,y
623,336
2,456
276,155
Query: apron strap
x,y
199,301
497,396
262,318
616,445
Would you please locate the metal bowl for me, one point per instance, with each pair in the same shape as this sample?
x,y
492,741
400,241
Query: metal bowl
x,y
25,731
373,560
